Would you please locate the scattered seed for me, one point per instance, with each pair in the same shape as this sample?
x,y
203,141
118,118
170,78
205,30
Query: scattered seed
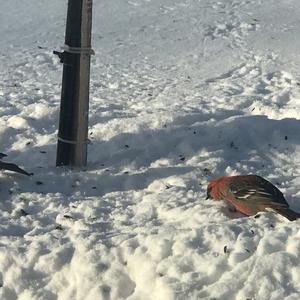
x,y
225,249
58,227
257,216
232,145
206,171
68,217
126,146
23,212
38,182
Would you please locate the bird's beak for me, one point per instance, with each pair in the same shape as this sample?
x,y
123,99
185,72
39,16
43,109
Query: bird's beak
x,y
208,193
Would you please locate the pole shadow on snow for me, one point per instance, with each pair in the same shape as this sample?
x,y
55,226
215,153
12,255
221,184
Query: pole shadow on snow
x,y
131,161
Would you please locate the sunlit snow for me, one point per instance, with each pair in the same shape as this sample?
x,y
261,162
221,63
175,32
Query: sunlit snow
x,y
181,91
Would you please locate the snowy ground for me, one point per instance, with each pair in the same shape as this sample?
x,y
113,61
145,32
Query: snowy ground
x,y
181,91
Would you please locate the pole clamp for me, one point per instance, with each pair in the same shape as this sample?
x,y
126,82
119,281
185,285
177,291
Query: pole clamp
x,y
60,55
78,50
87,141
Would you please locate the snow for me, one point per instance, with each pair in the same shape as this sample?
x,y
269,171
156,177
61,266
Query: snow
x,y
182,91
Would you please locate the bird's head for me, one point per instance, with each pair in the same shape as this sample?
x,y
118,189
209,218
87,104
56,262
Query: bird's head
x,y
213,187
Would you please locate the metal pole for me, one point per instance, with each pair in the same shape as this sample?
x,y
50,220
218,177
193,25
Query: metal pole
x,y
73,119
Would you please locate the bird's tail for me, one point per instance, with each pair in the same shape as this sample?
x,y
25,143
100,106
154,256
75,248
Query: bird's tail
x,y
288,213
13,167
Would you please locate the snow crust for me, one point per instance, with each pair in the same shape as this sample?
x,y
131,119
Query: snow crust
x,y
181,91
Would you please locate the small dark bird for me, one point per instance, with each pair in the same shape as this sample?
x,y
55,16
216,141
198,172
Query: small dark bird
x,y
12,167
250,194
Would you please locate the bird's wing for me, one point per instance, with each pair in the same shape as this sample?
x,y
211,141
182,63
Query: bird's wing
x,y
257,190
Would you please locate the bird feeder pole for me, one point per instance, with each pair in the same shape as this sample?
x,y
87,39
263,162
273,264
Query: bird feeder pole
x,y
73,119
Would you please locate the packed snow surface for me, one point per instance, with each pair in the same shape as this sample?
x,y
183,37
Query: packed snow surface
x,y
182,91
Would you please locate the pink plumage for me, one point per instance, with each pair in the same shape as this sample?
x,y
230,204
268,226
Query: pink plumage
x,y
250,194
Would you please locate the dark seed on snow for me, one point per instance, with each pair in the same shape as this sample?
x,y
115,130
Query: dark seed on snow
x,y
225,249
68,217
38,182
206,171
23,212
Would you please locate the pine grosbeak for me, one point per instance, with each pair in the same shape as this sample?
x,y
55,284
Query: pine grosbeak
x,y
250,194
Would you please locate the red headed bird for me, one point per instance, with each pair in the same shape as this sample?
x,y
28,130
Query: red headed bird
x,y
250,194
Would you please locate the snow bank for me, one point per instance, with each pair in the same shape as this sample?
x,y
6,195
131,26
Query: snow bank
x,y
181,92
